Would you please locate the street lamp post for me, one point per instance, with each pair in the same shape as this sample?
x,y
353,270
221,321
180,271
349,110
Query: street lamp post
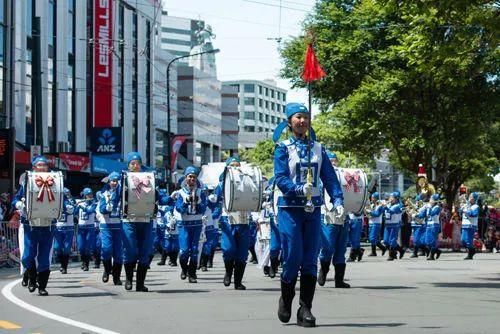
x,y
169,141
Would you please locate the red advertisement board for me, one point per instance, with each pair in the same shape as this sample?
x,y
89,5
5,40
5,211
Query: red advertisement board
x,y
74,162
103,61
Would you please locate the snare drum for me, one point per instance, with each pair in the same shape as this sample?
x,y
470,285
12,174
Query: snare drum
x,y
138,196
354,187
44,197
242,188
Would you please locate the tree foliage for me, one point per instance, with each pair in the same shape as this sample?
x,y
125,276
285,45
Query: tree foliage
x,y
262,156
419,77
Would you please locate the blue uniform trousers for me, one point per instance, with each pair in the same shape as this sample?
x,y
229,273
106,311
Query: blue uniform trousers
x,y
137,240
300,240
111,243
468,237
158,238
189,239
171,244
374,233
235,241
86,240
275,247
355,227
391,234
333,242
431,236
37,245
63,240
418,231
212,234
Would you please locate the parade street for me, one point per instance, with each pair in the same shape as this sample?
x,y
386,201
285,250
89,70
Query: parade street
x,y
405,296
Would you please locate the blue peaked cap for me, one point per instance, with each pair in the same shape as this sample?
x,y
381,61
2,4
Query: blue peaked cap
x,y
86,191
375,195
435,197
39,158
396,194
331,155
113,176
133,156
295,108
475,195
191,170
232,159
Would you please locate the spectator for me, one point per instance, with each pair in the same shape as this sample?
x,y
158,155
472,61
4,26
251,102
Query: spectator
x,y
456,234
477,243
491,240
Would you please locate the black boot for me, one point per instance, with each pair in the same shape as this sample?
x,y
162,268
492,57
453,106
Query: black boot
x,y
286,299
361,251
203,262
392,254
239,270
401,251
438,253
184,269
427,251
192,272
26,278
97,261
210,262
431,256
352,255
43,278
304,316
117,272
382,247
173,259
65,267
229,272
32,279
163,259
470,254
323,271
151,257
129,275
107,270
421,251
254,255
415,253
266,269
273,270
339,276
374,251
61,261
141,277
85,263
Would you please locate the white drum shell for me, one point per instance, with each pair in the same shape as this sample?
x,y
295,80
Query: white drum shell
x,y
264,231
354,202
41,213
138,209
243,188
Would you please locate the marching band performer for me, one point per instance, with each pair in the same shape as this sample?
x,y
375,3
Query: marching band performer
x,y
470,213
235,236
37,239
275,248
393,213
111,229
137,236
375,213
211,229
65,229
171,240
418,225
159,237
355,227
97,240
433,227
252,239
300,229
189,209
333,242
86,227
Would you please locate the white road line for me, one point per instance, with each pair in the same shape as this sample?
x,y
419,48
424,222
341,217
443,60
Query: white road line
x,y
7,292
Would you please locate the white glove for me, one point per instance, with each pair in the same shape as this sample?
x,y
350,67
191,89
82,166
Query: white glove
x,y
339,210
307,189
109,207
204,219
212,198
174,194
186,199
20,205
70,208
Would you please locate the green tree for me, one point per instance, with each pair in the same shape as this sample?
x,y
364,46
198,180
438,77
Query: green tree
x,y
418,77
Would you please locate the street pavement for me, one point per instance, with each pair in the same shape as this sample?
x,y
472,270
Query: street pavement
x,y
405,296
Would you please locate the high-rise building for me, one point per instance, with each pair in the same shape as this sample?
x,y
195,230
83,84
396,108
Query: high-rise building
x,y
230,115
178,34
261,107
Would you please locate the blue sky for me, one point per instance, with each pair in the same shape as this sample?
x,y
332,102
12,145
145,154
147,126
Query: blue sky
x,y
245,32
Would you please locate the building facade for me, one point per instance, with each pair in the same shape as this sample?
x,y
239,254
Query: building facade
x,y
261,107
230,115
178,35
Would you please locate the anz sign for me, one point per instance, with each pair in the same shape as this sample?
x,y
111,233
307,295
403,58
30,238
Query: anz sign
x,y
107,141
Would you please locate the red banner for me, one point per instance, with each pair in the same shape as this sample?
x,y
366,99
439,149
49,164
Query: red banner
x,y
74,162
177,142
103,57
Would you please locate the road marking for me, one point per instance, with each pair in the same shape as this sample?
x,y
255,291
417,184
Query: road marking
x,y
4,324
7,292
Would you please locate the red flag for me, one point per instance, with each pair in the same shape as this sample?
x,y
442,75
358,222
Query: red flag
x,y
312,68
177,142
